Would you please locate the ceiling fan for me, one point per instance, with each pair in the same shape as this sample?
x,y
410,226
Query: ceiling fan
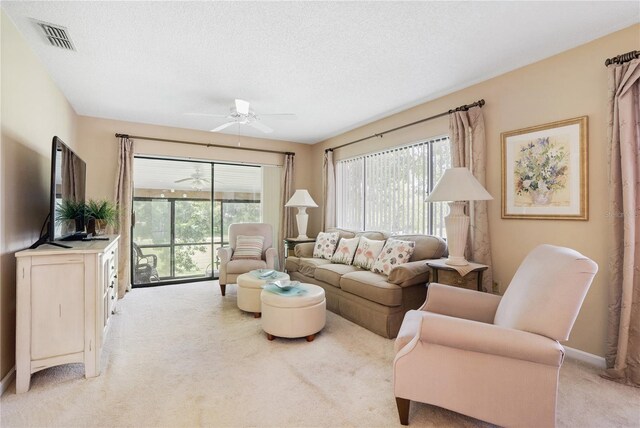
x,y
242,114
197,179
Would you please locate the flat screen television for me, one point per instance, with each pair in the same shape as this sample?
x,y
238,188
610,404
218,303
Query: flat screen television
x,y
67,193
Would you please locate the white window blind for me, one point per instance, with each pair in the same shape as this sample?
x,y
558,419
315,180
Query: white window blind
x,y
386,190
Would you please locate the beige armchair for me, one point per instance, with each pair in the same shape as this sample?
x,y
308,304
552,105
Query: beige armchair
x,y
230,269
489,357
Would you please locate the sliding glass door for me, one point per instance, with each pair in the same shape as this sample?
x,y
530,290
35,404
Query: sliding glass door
x,y
182,211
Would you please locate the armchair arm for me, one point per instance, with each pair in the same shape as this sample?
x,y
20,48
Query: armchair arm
x,y
490,339
461,303
410,273
304,250
225,253
271,257
153,257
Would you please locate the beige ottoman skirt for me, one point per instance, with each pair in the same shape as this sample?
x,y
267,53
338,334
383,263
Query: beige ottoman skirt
x,y
295,315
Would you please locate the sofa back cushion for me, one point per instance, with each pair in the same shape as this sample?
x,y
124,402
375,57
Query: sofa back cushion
x,y
342,233
427,246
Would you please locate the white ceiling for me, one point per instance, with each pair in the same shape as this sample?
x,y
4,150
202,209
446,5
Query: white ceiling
x,y
336,65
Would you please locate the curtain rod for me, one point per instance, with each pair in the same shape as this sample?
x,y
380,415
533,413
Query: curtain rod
x,y
620,59
193,143
465,107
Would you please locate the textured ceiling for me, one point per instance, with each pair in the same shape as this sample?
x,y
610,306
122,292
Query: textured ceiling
x,y
336,65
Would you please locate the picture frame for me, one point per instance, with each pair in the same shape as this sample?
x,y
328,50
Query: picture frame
x,y
544,171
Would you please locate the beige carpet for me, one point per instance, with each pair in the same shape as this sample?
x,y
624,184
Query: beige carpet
x,y
183,355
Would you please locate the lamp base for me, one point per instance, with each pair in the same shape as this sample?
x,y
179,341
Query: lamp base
x,y
457,225
301,219
456,261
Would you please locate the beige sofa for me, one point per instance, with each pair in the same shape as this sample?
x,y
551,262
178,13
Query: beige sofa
x,y
372,300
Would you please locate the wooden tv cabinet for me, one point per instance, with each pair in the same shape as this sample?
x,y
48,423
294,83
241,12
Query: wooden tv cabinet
x,y
65,298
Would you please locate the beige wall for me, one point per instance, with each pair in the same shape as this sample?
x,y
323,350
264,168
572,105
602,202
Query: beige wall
x,y
98,146
33,111
568,85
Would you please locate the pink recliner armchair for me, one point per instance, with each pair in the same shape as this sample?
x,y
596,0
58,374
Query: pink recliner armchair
x,y
489,357
230,269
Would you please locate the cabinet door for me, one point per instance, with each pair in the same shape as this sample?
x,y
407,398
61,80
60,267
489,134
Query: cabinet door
x,y
57,309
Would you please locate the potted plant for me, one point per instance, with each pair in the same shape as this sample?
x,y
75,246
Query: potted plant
x,y
70,215
101,214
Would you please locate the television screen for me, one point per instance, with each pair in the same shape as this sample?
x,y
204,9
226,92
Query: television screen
x,y
68,181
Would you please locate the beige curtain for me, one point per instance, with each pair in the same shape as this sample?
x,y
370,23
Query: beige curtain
x,y
329,193
124,197
623,345
286,224
469,149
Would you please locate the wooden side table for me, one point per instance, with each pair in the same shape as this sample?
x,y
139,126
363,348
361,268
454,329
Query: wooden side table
x,y
446,274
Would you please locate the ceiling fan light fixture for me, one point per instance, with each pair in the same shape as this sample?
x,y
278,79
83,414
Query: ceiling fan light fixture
x,y
242,107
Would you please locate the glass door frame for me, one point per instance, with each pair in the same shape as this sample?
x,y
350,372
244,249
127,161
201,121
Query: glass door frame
x,y
214,262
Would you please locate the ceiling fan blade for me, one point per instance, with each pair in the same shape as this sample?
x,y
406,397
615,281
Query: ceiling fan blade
x,y
183,180
282,116
261,126
223,126
206,114
242,106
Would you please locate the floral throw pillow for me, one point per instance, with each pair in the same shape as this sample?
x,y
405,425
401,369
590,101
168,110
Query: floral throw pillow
x,y
325,245
345,251
367,251
394,253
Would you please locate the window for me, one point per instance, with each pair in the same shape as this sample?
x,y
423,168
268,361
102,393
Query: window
x,y
386,190
183,210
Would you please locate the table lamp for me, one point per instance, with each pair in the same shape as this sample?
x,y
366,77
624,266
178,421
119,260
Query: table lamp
x,y
302,200
457,186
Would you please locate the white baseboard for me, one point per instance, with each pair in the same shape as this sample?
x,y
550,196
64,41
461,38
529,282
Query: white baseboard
x,y
4,385
586,357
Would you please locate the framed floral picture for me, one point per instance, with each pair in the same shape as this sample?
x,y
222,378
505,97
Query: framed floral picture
x,y
544,171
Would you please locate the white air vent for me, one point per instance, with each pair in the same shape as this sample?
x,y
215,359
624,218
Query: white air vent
x,y
55,35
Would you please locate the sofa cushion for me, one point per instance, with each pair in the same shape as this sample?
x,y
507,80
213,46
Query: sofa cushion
x,y
291,264
325,245
394,253
411,273
307,266
372,286
331,273
371,234
427,246
345,251
368,250
343,233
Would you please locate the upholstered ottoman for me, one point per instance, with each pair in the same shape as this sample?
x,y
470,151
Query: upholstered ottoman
x,y
249,287
301,313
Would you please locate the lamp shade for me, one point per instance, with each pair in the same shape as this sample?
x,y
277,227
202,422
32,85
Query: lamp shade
x,y
301,198
458,184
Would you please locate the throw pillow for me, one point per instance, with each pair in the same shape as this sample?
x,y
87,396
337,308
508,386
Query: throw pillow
x,y
345,251
248,248
368,250
325,245
394,253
